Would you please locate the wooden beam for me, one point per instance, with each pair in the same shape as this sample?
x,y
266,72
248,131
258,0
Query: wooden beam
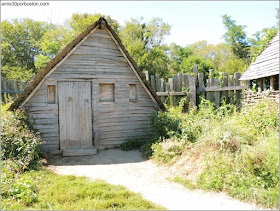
x,y
172,93
215,89
11,91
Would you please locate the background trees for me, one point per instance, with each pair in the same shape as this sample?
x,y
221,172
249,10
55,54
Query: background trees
x,y
20,41
144,42
28,45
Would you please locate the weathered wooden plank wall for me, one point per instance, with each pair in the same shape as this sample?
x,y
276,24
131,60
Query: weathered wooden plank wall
x,y
97,60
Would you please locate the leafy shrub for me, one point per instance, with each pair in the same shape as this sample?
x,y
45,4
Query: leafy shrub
x,y
20,140
164,125
132,143
262,117
14,186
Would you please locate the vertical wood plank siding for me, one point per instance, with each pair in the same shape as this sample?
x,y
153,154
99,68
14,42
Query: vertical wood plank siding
x,y
98,60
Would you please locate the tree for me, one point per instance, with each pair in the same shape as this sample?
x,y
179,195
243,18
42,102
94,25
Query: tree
x,y
261,40
79,22
177,53
144,42
236,38
203,65
233,65
155,62
217,54
20,40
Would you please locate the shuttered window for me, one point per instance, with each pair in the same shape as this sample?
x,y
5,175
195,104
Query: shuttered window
x,y
106,92
51,94
132,92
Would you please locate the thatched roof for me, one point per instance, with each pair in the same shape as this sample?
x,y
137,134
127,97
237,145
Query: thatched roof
x,y
266,64
39,77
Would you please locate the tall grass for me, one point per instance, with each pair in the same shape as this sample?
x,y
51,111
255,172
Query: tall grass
x,y
226,150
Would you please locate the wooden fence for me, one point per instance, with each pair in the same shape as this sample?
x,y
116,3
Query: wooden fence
x,y
226,87
11,89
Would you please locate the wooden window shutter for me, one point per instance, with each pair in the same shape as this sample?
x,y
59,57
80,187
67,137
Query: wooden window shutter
x,y
132,92
51,94
106,92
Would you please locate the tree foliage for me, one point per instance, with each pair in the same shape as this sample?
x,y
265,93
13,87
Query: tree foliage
x,y
144,42
203,65
20,41
261,40
236,37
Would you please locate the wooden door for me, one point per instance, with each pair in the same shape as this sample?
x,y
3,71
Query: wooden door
x,y
75,115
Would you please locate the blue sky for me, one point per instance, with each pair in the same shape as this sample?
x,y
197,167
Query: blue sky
x,y
191,21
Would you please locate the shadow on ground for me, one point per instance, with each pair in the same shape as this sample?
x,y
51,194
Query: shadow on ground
x,y
103,157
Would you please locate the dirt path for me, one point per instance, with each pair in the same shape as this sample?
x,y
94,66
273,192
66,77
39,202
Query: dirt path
x,y
144,177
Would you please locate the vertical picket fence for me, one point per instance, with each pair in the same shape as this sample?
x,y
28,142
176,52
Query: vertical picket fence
x,y
10,89
194,86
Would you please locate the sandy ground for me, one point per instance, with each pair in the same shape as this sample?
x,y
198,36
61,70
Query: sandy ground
x,y
145,177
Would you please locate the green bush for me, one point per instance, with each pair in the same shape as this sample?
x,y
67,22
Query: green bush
x,y
133,143
262,117
20,140
165,125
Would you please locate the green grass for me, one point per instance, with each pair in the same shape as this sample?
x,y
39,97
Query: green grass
x,y
57,192
225,150
185,182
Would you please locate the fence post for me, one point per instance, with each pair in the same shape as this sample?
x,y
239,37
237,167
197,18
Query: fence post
x,y
208,84
192,83
186,81
201,85
147,76
153,83
180,81
212,84
238,92
217,93
195,68
23,84
167,87
225,84
231,93
157,83
176,87
162,89
186,86
171,86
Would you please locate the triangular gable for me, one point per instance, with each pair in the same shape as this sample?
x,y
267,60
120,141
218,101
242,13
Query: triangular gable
x,y
34,84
